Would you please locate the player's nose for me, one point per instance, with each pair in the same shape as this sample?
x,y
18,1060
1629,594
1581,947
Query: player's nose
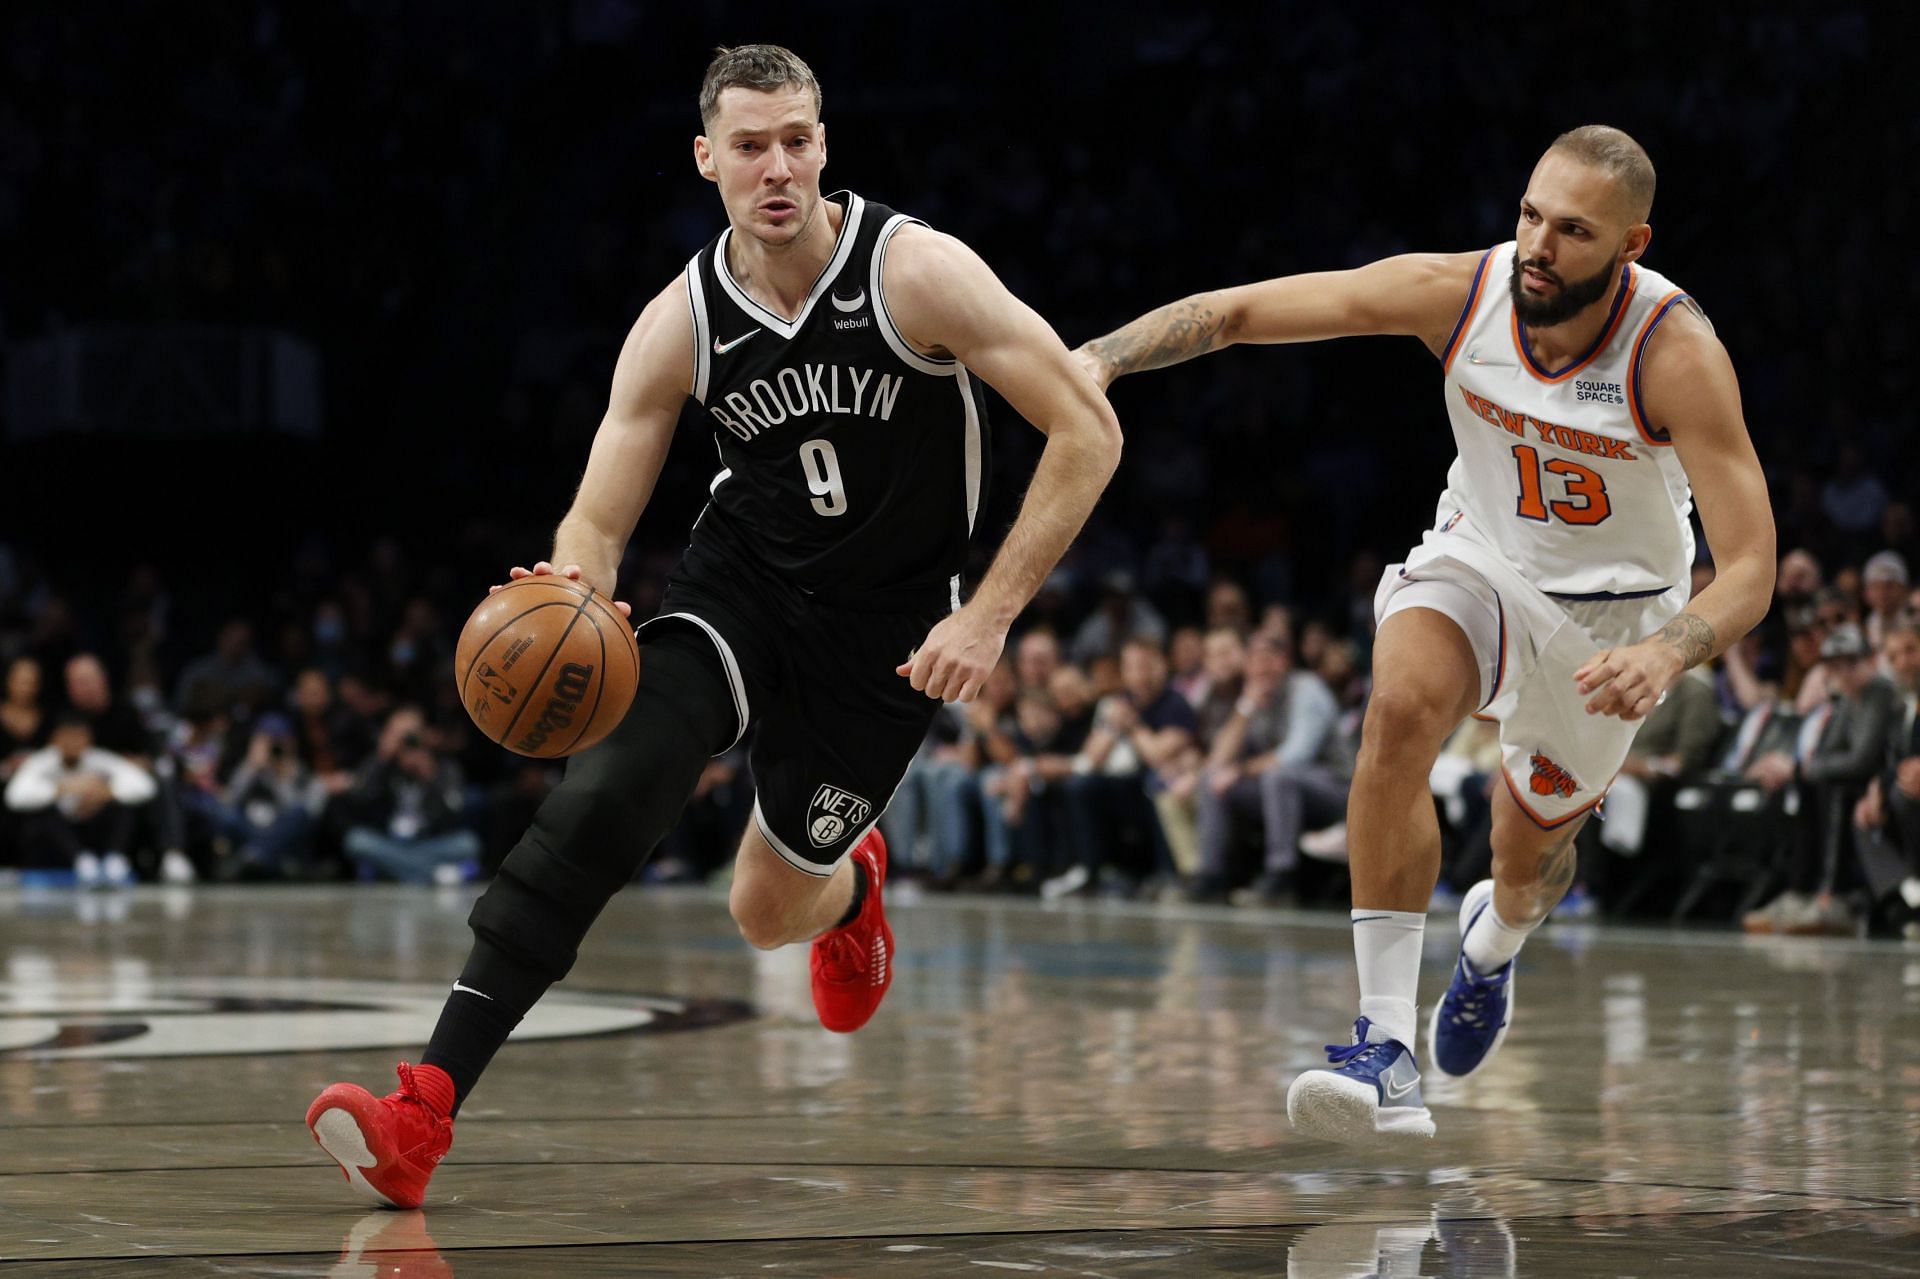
x,y
778,171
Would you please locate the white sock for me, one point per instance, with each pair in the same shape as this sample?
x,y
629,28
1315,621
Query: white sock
x,y
1491,942
1386,946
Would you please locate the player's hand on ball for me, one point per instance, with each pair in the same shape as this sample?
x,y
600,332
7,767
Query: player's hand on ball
x,y
544,569
958,655
1628,682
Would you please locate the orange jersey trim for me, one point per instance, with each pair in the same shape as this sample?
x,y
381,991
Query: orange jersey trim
x,y
1465,321
1629,282
1663,439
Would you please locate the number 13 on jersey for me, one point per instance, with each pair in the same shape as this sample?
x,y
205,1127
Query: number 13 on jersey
x,y
1586,500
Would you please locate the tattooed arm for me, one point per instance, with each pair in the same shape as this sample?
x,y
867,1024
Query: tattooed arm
x,y
1690,389
1418,295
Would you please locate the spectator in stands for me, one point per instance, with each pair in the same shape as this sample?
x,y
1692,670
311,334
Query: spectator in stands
x,y
24,723
1022,802
1849,750
76,803
270,806
407,806
927,823
116,726
1228,606
1137,730
1887,818
232,675
1122,614
1036,658
331,740
1854,498
1266,768
1223,662
1885,587
1186,663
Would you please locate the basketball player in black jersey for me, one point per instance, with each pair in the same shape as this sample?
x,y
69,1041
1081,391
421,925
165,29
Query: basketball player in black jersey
x,y
834,347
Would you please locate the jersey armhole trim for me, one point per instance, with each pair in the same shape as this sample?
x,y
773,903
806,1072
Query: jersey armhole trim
x,y
697,303
1651,434
1465,321
883,319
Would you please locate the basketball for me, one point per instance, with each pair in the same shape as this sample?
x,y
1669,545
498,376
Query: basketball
x,y
546,666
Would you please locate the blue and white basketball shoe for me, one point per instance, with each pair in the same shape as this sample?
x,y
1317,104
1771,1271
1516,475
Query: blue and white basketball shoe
x,y
1470,1021
1371,1091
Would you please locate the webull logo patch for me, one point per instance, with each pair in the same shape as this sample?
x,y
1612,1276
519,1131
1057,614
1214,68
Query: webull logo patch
x,y
569,690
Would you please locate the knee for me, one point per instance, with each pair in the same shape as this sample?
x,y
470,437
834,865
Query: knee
x,y
1406,722
763,923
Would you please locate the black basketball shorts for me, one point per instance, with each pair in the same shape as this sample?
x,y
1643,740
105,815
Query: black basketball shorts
x,y
836,726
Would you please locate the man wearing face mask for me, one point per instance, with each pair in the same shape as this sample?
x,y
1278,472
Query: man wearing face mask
x,y
1590,402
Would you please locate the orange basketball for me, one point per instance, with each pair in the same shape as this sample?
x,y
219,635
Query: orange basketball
x,y
546,666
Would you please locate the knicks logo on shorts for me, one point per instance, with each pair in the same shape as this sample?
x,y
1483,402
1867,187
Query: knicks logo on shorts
x,y
833,813
1551,779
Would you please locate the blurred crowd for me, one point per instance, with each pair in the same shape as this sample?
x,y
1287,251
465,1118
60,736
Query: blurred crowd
x,y
1168,739
462,208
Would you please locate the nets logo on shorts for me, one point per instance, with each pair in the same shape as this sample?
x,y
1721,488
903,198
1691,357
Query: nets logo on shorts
x,y
1551,779
833,813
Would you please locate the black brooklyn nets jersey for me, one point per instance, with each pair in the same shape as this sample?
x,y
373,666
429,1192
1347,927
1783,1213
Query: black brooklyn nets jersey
x,y
851,464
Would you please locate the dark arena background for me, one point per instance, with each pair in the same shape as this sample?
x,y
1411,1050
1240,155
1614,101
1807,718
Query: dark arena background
x,y
307,317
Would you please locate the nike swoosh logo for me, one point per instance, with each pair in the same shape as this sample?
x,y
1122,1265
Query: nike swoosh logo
x,y
471,991
721,348
859,300
1397,1093
1473,357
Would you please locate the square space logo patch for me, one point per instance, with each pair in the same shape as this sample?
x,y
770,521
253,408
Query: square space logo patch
x,y
833,813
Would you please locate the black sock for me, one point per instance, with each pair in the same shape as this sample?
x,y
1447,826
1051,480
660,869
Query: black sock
x,y
494,992
859,895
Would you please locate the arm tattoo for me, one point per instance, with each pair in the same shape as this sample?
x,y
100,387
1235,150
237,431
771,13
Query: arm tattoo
x,y
1176,332
1691,635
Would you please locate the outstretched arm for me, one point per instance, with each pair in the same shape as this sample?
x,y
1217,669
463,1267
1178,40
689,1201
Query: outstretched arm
x,y
1692,391
651,382
945,300
1417,294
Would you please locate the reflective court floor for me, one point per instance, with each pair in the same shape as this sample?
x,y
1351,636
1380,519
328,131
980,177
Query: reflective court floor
x,y
1090,1090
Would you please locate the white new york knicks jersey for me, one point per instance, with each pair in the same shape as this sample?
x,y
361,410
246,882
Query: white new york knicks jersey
x,y
1560,471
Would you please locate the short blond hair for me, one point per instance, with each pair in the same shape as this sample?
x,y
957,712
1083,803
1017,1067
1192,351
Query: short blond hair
x,y
1610,149
761,67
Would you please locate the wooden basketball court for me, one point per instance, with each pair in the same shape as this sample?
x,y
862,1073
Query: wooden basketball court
x,y
1082,1091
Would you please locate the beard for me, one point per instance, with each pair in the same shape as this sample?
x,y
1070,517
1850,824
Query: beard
x,y
1557,308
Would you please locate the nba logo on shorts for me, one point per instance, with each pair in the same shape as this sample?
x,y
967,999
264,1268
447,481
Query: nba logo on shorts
x,y
833,813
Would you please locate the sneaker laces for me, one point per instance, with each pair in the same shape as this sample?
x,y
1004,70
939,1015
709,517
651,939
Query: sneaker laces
x,y
841,960
1343,1054
1471,1007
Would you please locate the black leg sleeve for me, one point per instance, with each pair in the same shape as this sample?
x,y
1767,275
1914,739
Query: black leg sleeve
x,y
617,800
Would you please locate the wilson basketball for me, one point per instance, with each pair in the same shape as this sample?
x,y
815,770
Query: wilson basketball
x,y
547,666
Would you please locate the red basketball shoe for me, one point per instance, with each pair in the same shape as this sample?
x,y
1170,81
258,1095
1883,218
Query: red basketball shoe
x,y
853,965
387,1146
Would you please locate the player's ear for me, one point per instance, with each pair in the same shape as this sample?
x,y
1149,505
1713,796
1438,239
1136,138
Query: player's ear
x,y
1637,240
820,140
703,158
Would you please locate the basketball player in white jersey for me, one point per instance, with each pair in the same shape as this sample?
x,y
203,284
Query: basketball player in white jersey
x,y
1592,406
